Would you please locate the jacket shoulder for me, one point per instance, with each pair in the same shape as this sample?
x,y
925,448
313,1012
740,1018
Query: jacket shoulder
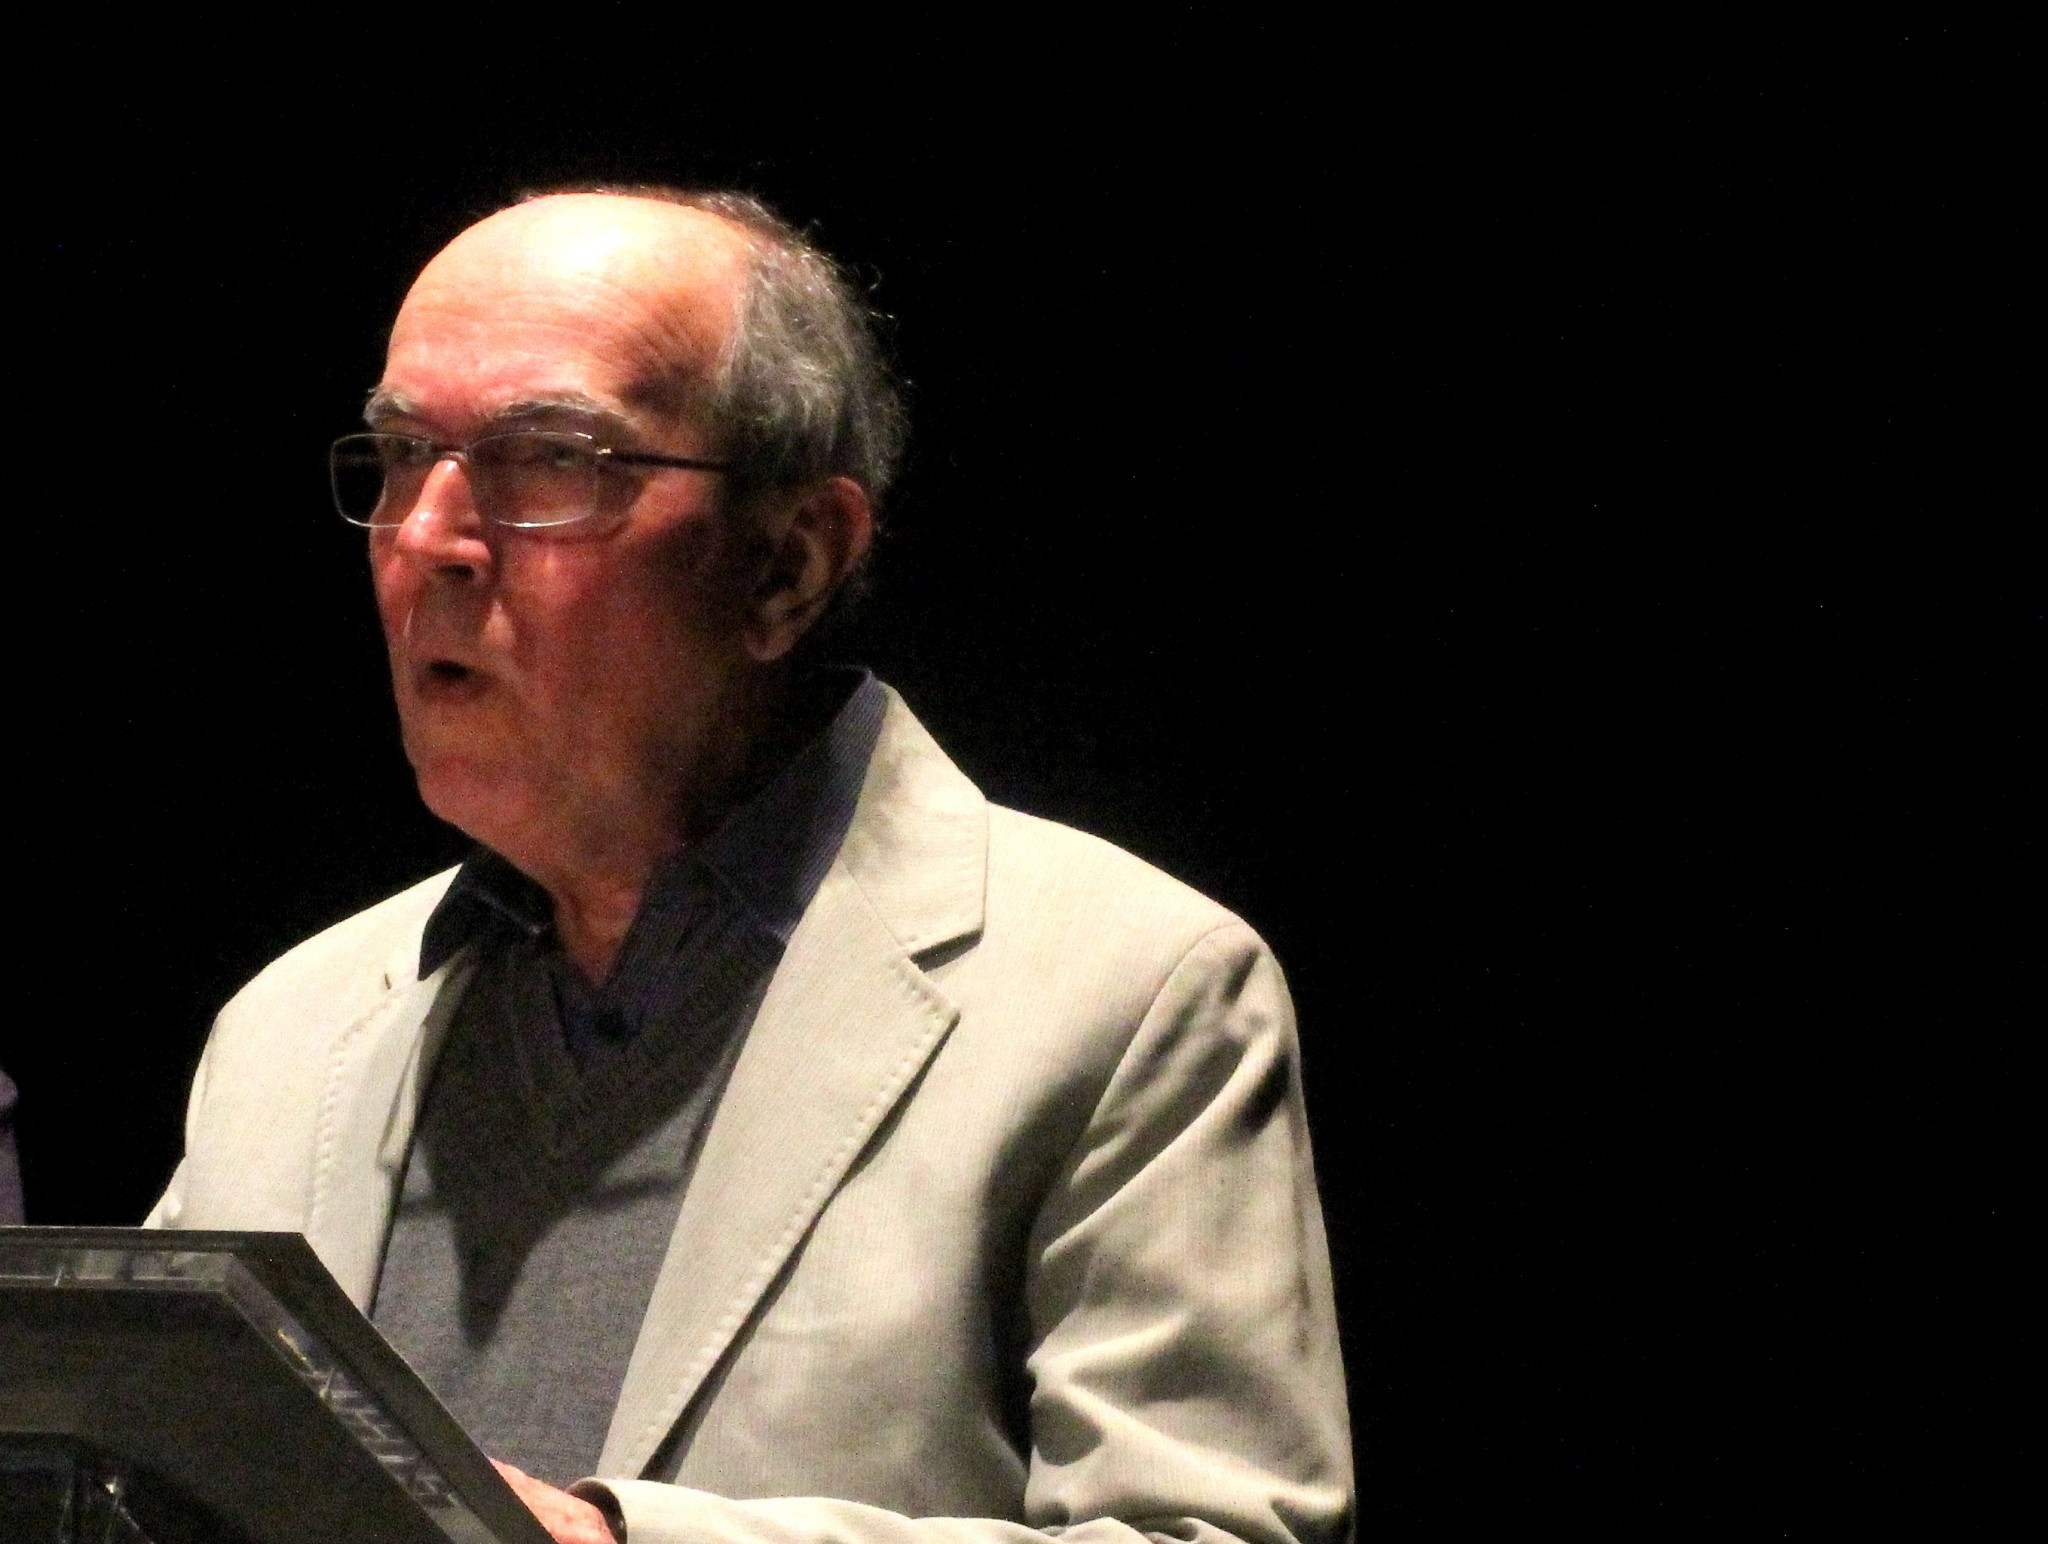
x,y
1042,865
288,1072
343,970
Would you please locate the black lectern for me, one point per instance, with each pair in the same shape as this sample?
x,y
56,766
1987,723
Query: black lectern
x,y
187,1387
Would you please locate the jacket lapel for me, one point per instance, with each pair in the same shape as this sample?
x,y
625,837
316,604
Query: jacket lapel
x,y
376,1077
845,1028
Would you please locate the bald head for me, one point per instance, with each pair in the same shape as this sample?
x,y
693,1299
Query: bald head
x,y
663,284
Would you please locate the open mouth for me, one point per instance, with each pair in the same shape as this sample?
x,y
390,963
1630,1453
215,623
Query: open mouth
x,y
446,680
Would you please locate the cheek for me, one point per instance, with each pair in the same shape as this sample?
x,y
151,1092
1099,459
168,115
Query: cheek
x,y
700,584
650,653
552,601
395,587
678,590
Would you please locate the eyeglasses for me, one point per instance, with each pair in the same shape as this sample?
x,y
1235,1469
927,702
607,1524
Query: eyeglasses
x,y
528,479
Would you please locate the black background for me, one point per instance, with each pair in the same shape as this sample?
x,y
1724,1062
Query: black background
x,y
1522,518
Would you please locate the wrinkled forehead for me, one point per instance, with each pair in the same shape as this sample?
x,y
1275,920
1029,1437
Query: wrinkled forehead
x,y
645,291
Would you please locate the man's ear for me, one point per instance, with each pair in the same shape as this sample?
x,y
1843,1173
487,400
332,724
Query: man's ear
x,y
815,540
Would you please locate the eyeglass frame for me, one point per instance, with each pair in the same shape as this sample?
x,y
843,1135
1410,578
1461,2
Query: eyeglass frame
x,y
600,457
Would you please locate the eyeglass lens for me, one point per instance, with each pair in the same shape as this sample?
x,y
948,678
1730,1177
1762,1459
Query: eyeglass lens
x,y
532,478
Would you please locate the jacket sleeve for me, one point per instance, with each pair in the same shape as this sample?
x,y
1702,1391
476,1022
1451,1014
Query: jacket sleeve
x,y
1184,1368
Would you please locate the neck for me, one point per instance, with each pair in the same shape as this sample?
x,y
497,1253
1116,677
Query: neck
x,y
597,884
591,922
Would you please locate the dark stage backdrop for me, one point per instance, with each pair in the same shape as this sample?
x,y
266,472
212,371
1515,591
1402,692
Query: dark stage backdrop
x,y
1518,518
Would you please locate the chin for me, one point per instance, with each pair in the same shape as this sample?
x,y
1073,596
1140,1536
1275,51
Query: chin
x,y
478,805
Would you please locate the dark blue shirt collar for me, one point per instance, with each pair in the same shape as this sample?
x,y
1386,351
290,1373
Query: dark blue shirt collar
x,y
767,858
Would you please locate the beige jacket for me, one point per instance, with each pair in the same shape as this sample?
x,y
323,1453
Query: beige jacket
x,y
1005,1223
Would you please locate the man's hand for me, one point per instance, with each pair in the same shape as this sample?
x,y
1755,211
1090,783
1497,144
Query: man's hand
x,y
569,1519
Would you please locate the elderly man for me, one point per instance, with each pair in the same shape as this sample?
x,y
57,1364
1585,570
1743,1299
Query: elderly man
x,y
759,1131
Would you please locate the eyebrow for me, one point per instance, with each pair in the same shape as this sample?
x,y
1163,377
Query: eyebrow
x,y
383,406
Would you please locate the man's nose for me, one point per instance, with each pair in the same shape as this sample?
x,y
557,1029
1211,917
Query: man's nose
x,y
444,528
